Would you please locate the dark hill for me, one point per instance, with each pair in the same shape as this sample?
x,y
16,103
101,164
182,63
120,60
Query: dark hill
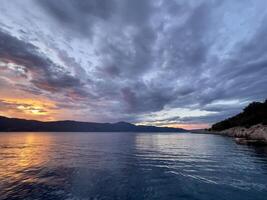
x,y
22,125
254,113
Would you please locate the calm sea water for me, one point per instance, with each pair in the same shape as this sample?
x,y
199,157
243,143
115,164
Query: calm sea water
x,y
129,166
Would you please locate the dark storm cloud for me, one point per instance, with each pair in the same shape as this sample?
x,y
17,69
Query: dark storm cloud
x,y
186,50
246,72
143,98
45,74
209,119
79,15
153,95
125,56
243,76
29,89
124,52
55,83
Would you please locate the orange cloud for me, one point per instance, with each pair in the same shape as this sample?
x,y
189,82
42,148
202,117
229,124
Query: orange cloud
x,y
28,108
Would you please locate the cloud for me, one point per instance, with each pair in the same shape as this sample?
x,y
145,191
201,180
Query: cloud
x,y
79,15
26,108
112,60
36,67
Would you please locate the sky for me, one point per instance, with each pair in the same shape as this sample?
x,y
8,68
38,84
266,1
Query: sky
x,y
177,63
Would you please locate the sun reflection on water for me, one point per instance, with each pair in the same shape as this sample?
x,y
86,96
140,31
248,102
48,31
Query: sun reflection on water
x,y
22,153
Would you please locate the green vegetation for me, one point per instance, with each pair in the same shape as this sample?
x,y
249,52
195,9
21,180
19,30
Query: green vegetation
x,y
254,113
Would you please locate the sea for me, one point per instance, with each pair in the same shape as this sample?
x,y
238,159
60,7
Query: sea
x,y
130,166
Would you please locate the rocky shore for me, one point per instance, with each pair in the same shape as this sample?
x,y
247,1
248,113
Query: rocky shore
x,y
255,135
248,127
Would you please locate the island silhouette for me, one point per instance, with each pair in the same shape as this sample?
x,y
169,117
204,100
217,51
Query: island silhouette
x,y
22,125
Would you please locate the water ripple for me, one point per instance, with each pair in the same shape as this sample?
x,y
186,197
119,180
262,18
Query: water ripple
x,y
78,166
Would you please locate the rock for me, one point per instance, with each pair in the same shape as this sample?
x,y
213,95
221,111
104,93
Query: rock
x,y
245,141
255,135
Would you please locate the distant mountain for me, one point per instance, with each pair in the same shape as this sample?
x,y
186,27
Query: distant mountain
x,y
255,113
22,125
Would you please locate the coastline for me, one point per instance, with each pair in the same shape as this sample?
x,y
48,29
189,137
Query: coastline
x,y
254,135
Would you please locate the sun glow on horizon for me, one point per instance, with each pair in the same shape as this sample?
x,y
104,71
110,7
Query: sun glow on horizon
x,y
29,108
45,110
189,126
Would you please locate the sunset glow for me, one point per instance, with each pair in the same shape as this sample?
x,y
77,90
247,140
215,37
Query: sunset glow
x,y
191,126
29,109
